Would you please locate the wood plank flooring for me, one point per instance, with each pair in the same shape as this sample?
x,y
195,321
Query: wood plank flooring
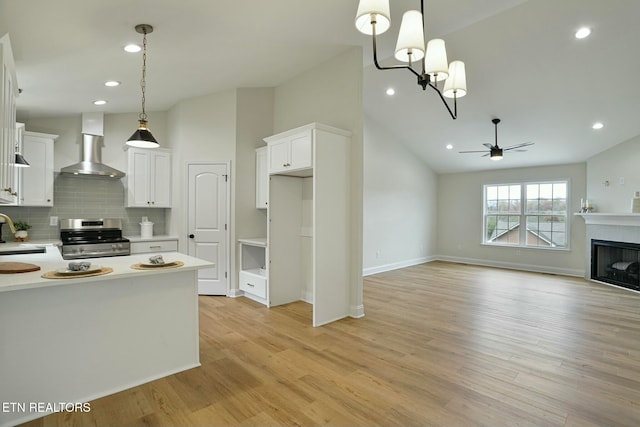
x,y
441,345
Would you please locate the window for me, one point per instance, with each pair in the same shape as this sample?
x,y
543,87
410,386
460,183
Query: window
x,y
540,206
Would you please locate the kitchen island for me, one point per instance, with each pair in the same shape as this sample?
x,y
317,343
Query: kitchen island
x,y
69,341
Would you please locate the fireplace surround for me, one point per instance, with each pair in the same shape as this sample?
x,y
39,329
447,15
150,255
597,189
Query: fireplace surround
x,y
617,263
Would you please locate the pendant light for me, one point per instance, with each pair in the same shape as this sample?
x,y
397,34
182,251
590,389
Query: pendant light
x,y
20,161
142,137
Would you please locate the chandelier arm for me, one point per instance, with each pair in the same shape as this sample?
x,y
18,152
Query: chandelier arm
x,y
375,54
454,113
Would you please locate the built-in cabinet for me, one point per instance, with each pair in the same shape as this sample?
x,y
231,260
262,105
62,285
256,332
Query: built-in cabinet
x,y
308,213
35,183
148,178
262,178
292,153
253,272
8,95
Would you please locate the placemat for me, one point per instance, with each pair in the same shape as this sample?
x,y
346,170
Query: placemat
x,y
56,275
174,264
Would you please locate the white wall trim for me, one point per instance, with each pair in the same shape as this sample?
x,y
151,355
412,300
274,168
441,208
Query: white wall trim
x,y
235,293
396,265
512,265
357,311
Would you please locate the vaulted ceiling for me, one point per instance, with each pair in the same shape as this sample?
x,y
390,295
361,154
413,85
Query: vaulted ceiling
x,y
523,66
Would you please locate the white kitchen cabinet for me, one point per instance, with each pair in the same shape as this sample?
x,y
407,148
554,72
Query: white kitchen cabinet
x,y
154,245
35,183
308,217
148,178
8,95
291,153
262,178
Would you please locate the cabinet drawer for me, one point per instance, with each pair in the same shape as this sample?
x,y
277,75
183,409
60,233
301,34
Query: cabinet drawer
x,y
156,246
253,284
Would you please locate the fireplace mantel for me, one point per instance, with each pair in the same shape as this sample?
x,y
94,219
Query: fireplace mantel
x,y
598,218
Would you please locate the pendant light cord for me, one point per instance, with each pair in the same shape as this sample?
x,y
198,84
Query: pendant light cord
x,y
143,81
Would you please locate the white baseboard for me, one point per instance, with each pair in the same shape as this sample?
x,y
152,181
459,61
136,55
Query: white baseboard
x,y
396,265
512,265
235,293
357,311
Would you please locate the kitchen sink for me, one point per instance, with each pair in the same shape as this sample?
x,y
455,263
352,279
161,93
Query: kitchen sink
x,y
23,251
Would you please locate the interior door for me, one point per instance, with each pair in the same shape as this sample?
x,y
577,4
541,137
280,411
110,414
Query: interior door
x,y
207,207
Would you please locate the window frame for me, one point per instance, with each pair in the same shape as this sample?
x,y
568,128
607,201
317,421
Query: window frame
x,y
523,214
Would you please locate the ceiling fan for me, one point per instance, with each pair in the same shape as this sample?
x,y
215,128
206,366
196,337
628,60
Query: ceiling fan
x,y
495,151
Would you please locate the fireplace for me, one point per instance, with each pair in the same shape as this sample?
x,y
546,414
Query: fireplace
x,y
617,263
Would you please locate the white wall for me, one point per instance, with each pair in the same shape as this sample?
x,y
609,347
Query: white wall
x,y
460,220
620,167
201,129
400,195
331,93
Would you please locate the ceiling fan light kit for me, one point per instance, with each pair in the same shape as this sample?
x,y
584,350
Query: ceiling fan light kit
x,y
495,151
374,18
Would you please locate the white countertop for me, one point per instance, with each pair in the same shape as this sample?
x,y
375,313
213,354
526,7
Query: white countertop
x,y
121,265
11,246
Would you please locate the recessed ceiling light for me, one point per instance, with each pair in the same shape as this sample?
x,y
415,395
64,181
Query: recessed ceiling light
x,y
132,48
583,32
99,102
597,125
449,147
112,83
391,91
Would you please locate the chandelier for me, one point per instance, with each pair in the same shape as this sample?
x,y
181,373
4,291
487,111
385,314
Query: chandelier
x,y
373,18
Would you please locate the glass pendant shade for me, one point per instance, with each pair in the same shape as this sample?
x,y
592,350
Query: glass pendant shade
x,y
435,62
410,45
378,8
456,84
21,162
142,137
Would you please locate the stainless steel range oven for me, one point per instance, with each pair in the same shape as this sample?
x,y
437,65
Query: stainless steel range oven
x,y
92,238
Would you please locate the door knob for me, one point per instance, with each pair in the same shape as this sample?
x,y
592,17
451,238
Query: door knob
x,y
191,236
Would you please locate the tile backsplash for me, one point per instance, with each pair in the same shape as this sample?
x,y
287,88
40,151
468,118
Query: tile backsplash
x,y
81,197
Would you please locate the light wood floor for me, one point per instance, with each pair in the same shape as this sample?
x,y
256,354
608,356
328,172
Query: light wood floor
x,y
441,344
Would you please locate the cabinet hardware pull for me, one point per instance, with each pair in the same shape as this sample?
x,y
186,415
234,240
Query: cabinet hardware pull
x,y
249,284
155,247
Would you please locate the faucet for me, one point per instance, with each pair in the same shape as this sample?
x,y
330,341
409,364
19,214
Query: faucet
x,y
8,221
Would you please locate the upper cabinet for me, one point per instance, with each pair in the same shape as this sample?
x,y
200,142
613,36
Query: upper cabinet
x,y
35,183
291,153
148,178
8,95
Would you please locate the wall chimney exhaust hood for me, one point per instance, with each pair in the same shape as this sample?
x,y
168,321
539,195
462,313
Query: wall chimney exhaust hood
x,y
91,165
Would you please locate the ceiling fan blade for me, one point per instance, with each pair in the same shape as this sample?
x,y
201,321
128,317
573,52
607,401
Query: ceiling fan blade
x,y
486,155
518,151
475,151
489,146
526,144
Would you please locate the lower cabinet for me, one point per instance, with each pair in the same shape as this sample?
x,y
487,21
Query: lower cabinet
x,y
253,283
253,278
170,245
